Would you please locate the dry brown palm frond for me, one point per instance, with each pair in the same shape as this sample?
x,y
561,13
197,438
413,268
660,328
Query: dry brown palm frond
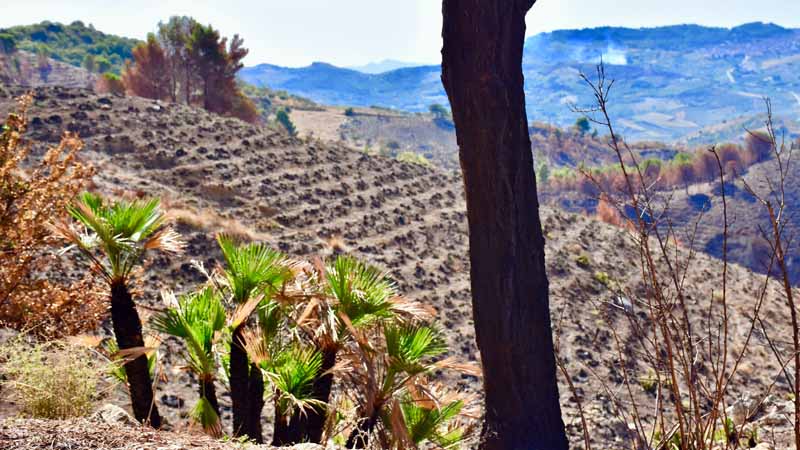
x,y
166,240
243,311
452,363
398,427
412,310
256,347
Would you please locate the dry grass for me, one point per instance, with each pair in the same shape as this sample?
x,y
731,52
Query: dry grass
x,y
51,380
212,222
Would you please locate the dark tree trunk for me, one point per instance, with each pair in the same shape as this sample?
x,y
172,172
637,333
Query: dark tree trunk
x,y
482,74
287,433
208,391
239,380
359,437
128,331
255,392
311,426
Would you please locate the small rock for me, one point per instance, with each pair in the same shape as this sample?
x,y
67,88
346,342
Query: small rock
x,y
763,446
742,409
173,401
114,415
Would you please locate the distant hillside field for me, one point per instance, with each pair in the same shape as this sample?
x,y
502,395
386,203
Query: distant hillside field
x,y
72,43
672,82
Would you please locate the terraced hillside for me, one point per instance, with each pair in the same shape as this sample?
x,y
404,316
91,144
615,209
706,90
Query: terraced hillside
x,y
310,197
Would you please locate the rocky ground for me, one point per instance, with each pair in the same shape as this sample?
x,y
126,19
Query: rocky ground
x,y
307,197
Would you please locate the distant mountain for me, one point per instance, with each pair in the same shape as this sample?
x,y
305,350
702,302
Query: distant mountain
x,y
412,88
672,82
382,66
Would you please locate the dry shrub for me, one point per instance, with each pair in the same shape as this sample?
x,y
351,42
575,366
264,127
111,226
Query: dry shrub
x,y
212,222
109,83
51,380
33,192
609,213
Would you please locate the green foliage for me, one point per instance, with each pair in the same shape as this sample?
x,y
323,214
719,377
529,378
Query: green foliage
x,y
431,424
8,44
90,63
363,292
542,173
439,111
282,117
102,64
195,318
682,159
583,125
252,267
602,278
72,43
408,345
583,261
292,373
413,158
118,234
349,112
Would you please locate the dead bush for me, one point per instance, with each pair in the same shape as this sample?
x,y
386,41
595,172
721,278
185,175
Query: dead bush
x,y
33,192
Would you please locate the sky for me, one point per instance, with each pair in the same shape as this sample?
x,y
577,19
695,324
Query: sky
x,y
355,32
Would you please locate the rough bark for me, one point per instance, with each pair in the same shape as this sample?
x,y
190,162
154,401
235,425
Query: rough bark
x,y
209,391
482,74
128,332
239,381
255,392
310,427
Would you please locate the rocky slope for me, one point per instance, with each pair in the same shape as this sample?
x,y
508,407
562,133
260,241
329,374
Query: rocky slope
x,y
307,197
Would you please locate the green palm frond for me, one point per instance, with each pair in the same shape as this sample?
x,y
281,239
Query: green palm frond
x,y
292,373
433,424
251,267
204,414
196,319
408,346
122,231
363,292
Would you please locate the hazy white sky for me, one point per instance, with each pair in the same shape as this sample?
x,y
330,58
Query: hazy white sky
x,y
354,32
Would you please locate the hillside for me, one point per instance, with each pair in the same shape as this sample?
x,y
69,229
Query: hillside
x,y
72,43
671,81
312,197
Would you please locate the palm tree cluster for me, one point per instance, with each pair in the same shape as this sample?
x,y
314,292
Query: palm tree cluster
x,y
269,328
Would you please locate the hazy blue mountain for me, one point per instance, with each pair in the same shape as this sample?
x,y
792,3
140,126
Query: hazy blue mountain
x,y
383,66
671,82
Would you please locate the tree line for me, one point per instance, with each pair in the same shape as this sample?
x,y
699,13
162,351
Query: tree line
x,y
191,63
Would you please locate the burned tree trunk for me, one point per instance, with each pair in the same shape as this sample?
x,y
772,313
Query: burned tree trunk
x,y
128,331
482,74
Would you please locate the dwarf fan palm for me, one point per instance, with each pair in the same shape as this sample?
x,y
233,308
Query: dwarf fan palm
x,y
116,238
409,348
357,295
432,422
197,318
253,273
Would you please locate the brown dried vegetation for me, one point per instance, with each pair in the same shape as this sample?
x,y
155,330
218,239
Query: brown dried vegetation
x,y
33,192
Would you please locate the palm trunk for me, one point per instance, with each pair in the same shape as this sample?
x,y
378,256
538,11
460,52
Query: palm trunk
x,y
311,426
209,391
255,392
359,437
239,380
482,74
128,331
